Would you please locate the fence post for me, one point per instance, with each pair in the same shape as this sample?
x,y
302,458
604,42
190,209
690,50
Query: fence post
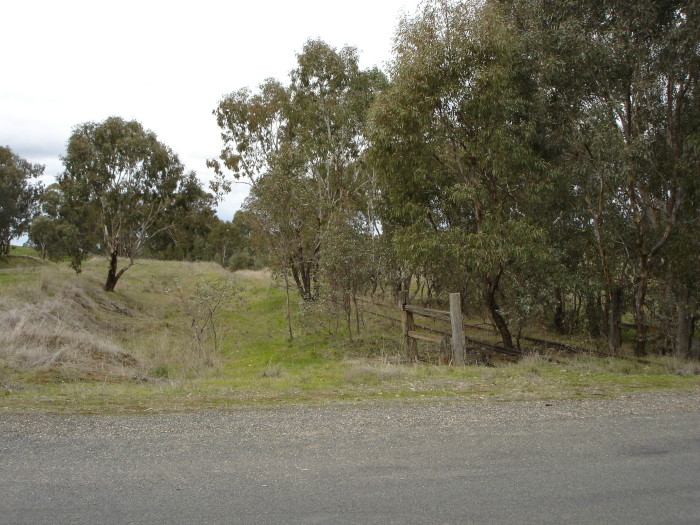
x,y
407,323
459,350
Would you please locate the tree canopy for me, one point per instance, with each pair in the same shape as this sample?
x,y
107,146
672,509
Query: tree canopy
x,y
540,158
19,193
120,187
300,148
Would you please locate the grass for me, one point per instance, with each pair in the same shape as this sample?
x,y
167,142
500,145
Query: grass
x,y
68,346
20,258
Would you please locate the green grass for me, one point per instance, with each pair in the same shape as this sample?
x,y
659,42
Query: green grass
x,y
23,250
83,369
20,257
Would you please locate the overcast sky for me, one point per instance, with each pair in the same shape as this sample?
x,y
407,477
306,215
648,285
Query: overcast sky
x,y
165,64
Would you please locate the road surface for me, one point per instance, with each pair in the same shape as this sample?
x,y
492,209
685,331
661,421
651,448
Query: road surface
x,y
632,460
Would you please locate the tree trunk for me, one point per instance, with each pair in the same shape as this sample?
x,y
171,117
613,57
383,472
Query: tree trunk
x,y
112,274
559,312
686,324
640,339
615,330
289,310
303,274
593,315
408,325
495,311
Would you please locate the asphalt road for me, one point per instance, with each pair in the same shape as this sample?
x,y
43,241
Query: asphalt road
x,y
633,460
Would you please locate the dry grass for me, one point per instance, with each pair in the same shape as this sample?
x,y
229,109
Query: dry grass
x,y
50,331
272,371
60,327
363,372
541,364
256,276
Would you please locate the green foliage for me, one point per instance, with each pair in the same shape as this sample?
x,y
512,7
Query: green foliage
x,y
18,196
56,239
252,129
188,220
300,147
624,76
454,139
120,187
537,157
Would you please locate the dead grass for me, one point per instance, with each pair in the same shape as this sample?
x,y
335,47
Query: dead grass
x,y
49,332
62,327
257,276
272,370
542,364
363,372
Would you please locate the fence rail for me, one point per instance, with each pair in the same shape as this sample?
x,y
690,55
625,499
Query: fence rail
x,y
441,334
456,339
428,312
444,316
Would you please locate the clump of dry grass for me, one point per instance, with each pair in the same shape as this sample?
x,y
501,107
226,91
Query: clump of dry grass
x,y
259,276
272,370
166,355
539,364
63,327
362,372
50,331
688,369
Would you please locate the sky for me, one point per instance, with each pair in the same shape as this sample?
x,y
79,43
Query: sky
x,y
165,64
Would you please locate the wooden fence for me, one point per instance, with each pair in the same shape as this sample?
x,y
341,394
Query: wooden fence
x,y
456,341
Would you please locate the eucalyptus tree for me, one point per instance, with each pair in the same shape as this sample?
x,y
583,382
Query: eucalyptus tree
x,y
632,67
678,279
348,266
259,150
189,221
19,194
253,130
299,147
224,238
118,187
55,231
330,98
454,139
283,210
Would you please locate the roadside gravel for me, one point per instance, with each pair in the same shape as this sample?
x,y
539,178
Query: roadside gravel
x,y
327,418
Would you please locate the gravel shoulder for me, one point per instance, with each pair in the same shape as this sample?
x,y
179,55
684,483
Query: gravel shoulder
x,y
339,415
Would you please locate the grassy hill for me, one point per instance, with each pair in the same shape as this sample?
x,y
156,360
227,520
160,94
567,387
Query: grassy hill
x,y
20,258
66,345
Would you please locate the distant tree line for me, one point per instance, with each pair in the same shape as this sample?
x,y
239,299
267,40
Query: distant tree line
x,y
123,194
19,192
541,158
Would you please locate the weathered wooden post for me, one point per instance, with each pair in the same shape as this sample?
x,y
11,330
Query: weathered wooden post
x,y
459,346
408,325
